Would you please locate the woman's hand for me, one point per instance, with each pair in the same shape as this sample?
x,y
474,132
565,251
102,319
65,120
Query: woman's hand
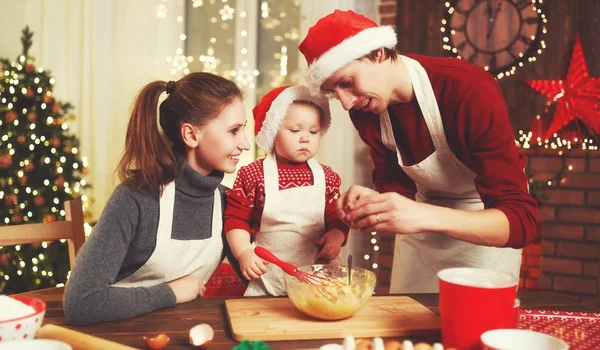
x,y
388,213
187,288
251,265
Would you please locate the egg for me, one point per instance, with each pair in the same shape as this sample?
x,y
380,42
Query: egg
x,y
201,335
364,344
157,343
423,346
393,345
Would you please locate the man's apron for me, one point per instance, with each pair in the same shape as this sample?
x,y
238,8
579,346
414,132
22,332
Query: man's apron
x,y
442,180
292,220
172,258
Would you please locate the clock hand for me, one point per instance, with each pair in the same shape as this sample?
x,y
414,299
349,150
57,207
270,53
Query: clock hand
x,y
489,9
493,19
498,8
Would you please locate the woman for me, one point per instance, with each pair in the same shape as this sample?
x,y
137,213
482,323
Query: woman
x,y
159,237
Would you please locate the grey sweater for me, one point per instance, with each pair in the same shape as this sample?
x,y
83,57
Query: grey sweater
x,y
123,240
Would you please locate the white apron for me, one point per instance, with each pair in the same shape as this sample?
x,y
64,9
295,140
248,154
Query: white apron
x,y
441,179
173,259
292,220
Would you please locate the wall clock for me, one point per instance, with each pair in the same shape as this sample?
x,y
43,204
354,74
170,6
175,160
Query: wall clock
x,y
498,35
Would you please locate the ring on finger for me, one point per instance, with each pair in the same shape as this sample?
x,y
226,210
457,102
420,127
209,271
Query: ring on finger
x,y
377,218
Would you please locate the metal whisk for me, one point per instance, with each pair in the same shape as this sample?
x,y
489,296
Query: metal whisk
x,y
292,270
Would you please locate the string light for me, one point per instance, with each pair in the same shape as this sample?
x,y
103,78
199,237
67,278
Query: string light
x,y
375,248
556,142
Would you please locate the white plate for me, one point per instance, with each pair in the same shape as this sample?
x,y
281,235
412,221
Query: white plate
x,y
35,344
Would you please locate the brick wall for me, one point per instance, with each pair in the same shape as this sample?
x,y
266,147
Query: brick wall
x,y
531,264
570,245
387,12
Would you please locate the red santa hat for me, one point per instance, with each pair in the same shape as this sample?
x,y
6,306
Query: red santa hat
x,y
338,39
271,110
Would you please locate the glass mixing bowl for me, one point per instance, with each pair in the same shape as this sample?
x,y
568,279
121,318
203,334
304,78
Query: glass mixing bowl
x,y
334,301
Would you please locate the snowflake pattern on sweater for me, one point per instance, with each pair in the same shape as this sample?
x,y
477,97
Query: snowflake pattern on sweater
x,y
245,201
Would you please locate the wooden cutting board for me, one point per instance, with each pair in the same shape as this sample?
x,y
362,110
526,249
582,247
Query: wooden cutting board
x,y
278,319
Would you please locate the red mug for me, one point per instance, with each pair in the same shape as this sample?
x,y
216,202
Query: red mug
x,y
516,311
473,301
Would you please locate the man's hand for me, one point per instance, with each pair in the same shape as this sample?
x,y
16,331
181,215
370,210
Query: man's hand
x,y
346,200
389,213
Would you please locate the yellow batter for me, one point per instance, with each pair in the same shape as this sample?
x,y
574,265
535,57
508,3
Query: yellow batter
x,y
333,302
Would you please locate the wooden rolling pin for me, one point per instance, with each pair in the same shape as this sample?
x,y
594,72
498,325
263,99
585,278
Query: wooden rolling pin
x,y
77,340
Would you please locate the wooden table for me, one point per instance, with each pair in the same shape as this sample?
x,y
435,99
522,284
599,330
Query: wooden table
x,y
177,321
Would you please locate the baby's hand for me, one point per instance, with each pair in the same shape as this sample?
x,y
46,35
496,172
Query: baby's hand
x,y
251,265
331,244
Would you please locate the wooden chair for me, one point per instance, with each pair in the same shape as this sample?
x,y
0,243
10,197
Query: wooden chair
x,y
70,229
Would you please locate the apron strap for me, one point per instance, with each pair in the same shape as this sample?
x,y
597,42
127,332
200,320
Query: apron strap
x,y
167,206
427,102
270,174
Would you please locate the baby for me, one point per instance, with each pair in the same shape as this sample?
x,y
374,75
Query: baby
x,y
285,202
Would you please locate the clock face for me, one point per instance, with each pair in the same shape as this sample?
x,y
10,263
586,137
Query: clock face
x,y
495,34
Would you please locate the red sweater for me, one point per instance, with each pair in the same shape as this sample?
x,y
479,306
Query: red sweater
x,y
478,131
246,200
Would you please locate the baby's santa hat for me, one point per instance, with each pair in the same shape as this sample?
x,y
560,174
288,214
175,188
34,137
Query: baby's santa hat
x,y
270,111
338,39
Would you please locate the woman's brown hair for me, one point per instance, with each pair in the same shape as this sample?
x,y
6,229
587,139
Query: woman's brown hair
x,y
149,161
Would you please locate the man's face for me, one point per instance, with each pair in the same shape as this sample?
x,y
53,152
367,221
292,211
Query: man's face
x,y
361,85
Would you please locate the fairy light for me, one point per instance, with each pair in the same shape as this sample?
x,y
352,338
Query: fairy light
x,y
179,62
375,248
209,61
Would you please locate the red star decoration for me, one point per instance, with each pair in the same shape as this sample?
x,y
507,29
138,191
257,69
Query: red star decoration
x,y
577,97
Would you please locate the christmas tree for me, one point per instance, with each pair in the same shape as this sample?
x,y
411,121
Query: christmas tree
x,y
40,168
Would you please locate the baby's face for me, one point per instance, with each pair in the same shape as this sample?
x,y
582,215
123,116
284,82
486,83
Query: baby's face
x,y
299,134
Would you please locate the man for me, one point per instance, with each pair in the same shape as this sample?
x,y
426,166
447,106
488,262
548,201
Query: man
x,y
449,178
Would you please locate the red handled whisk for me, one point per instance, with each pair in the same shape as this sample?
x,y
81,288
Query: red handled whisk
x,y
292,270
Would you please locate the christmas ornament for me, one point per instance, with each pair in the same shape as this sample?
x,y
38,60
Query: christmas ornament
x,y
39,201
55,108
11,116
49,218
576,96
29,93
55,142
32,116
16,219
29,167
47,99
60,181
3,260
23,180
21,139
5,161
11,199
29,68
